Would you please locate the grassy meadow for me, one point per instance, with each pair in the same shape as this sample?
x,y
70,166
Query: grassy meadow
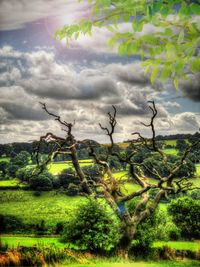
x,y
51,207
55,207
28,241
103,263
56,168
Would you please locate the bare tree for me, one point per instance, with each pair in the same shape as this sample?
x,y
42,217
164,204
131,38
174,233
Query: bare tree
x,y
109,185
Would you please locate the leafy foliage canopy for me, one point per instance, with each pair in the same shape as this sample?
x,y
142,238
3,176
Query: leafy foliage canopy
x,y
171,50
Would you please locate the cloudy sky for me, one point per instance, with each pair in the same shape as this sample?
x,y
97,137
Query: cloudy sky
x,y
80,82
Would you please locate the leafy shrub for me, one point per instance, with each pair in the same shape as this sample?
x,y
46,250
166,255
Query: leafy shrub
x,y
24,174
59,228
157,227
36,256
42,182
9,223
155,162
37,193
195,194
186,213
72,190
93,228
68,176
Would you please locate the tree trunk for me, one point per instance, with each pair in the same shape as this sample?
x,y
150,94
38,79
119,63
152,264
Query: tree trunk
x,y
125,242
79,171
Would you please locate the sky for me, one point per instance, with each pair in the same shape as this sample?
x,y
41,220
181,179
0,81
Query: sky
x,y
80,82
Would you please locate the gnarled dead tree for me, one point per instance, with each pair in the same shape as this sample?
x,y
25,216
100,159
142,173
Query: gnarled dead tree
x,y
109,185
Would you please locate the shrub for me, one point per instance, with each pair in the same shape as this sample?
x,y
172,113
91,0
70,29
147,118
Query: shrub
x,y
24,174
42,182
59,228
37,193
195,194
72,190
186,213
158,227
68,176
10,223
93,228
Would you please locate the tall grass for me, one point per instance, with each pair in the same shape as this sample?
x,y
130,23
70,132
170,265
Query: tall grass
x,y
40,256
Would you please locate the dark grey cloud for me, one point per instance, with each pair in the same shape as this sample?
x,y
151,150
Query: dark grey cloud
x,y
192,87
84,96
130,73
22,112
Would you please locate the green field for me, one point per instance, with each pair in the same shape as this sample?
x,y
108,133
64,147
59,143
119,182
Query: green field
x,y
181,245
198,170
170,142
10,183
139,264
4,159
58,167
170,151
50,206
14,241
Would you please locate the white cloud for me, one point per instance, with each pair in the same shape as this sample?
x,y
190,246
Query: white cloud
x,y
187,122
15,14
84,96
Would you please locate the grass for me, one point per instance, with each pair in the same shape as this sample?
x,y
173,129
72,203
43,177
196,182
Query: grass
x,y
29,241
198,170
4,159
181,245
170,142
58,167
139,264
15,241
50,206
170,151
10,183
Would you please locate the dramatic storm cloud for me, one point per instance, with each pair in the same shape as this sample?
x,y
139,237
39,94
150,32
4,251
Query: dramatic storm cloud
x,y
80,82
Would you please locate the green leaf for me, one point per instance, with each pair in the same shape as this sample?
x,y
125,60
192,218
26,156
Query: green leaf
x,y
181,36
122,49
176,82
195,8
137,25
165,73
195,64
171,51
154,74
168,31
125,17
104,3
157,6
132,48
112,42
179,65
110,28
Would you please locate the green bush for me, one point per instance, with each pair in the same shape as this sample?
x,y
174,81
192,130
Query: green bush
x,y
24,174
92,228
157,227
42,182
10,223
186,213
72,189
